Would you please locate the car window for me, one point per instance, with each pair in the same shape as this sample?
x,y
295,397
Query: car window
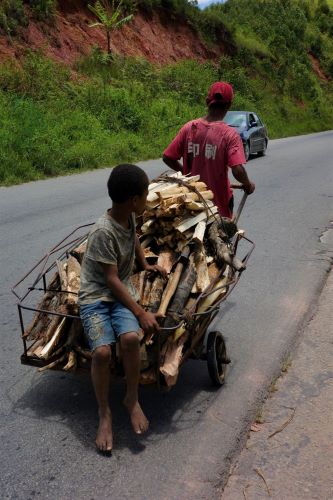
x,y
258,119
235,119
252,118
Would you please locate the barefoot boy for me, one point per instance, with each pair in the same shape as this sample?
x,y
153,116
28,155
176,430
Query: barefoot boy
x,y
108,302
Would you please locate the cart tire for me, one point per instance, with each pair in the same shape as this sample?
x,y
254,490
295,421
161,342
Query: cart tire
x,y
217,358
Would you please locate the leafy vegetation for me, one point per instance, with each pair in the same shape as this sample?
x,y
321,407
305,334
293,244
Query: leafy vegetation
x,y
110,17
123,109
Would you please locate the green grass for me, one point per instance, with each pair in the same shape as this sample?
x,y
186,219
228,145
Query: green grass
x,y
126,109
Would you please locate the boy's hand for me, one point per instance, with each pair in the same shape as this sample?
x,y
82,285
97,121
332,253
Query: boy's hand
x,y
148,322
156,269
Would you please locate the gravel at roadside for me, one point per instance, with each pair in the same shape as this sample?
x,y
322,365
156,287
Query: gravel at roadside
x,y
289,453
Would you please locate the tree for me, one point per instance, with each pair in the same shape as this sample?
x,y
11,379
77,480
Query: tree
x,y
109,17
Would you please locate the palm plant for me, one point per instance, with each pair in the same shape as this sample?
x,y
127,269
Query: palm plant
x,y
109,15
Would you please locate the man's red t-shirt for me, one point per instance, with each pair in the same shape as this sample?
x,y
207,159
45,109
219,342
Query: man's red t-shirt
x,y
208,149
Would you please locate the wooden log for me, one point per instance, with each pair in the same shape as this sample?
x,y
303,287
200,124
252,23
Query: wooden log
x,y
53,364
71,363
207,195
193,220
146,291
215,295
199,233
47,349
221,249
79,251
166,259
202,278
62,270
213,271
73,280
172,359
182,294
32,330
173,283
197,206
156,293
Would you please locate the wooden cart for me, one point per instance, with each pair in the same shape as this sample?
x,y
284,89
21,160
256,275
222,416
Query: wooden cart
x,y
198,343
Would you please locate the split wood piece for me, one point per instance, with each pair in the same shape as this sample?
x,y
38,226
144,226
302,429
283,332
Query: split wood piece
x,y
220,289
177,190
53,364
144,300
33,347
147,226
221,249
53,342
41,328
178,200
193,220
160,185
71,363
174,210
145,242
166,259
156,292
73,280
213,271
197,206
156,184
42,304
79,251
199,232
173,282
172,358
167,240
62,270
207,195
202,278
149,254
182,294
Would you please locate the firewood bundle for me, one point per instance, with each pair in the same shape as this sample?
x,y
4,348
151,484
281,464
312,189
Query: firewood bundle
x,y
58,338
180,231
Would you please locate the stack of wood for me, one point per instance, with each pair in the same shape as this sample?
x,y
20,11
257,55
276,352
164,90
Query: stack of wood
x,y
180,231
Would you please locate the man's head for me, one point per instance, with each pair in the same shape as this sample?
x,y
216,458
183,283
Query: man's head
x,y
220,96
128,184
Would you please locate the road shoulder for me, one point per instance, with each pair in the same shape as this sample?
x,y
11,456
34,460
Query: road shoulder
x,y
289,453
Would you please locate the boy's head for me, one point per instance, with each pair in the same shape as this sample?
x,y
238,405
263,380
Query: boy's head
x,y
128,184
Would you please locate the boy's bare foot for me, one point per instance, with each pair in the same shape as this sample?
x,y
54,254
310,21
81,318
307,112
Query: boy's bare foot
x,y
139,421
104,434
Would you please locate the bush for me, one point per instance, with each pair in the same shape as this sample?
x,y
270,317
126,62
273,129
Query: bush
x,y
43,9
12,16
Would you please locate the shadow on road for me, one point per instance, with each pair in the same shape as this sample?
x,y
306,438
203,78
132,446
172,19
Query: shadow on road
x,y
68,399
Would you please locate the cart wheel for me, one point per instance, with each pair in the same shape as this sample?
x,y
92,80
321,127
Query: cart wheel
x,y
217,358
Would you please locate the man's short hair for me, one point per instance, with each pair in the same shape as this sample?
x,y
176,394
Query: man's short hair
x,y
127,181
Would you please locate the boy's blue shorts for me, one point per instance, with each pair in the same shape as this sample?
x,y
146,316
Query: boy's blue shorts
x,y
103,322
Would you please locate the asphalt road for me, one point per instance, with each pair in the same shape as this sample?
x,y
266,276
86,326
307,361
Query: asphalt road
x,y
48,421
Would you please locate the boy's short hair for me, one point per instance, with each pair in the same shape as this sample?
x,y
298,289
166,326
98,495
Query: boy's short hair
x,y
127,181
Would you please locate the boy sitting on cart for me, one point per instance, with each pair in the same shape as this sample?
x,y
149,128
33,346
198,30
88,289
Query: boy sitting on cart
x,y
108,302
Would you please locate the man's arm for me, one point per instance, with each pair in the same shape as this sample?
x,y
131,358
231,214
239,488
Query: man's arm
x,y
174,164
241,176
146,319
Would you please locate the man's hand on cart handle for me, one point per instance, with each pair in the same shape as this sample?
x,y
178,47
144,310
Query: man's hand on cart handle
x,y
248,188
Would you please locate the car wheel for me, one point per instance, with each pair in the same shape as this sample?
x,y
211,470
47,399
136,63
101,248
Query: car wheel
x,y
246,150
263,152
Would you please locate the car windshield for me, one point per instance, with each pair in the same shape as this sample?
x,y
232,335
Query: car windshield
x,y
235,119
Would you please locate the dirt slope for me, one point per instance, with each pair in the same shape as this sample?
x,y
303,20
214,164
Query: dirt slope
x,y
158,38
